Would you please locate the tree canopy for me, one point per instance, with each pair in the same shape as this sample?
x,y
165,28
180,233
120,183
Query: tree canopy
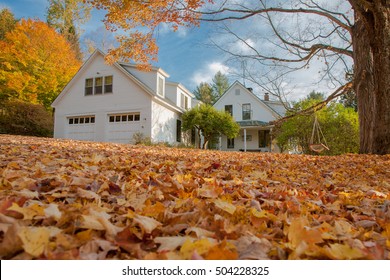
x,y
36,63
210,122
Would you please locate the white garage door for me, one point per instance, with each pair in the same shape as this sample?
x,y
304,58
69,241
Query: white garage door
x,y
121,127
81,128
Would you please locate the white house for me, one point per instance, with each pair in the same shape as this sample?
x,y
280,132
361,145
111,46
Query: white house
x,y
110,103
253,115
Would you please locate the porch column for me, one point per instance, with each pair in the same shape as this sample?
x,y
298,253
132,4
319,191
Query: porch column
x,y
244,139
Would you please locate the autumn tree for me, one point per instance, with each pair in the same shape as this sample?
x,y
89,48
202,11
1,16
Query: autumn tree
x,y
66,16
355,29
210,123
36,63
7,22
338,124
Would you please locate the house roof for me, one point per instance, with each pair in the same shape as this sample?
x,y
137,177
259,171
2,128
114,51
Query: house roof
x,y
274,106
252,123
122,68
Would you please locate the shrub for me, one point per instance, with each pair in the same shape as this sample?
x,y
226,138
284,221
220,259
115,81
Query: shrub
x,y
21,118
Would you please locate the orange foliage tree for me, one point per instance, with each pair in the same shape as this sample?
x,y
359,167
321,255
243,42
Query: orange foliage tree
x,y
141,20
35,63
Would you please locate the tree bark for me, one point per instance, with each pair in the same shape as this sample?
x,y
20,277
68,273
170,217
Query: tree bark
x,y
371,42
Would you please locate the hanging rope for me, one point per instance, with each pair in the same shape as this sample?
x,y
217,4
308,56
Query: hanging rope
x,y
320,144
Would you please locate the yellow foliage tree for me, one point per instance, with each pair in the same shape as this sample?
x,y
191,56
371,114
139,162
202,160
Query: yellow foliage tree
x,y
35,63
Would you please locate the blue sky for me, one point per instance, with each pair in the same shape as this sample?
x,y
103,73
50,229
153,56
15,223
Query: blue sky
x,y
183,54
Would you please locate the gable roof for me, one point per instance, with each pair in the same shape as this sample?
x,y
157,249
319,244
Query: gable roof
x,y
121,67
272,106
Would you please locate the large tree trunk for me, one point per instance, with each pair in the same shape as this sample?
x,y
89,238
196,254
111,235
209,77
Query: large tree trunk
x,y
371,43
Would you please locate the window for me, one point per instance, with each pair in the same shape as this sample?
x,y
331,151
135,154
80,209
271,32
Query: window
x,y
230,143
264,138
122,118
99,85
178,130
160,88
81,120
88,86
108,84
96,85
229,109
246,112
248,138
184,101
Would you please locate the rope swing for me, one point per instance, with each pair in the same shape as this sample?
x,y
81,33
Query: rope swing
x,y
317,141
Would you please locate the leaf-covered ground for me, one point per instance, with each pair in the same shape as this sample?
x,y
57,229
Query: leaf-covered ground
x,y
79,200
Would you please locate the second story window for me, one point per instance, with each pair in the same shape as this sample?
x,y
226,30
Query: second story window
x,y
108,84
98,85
246,112
88,86
229,109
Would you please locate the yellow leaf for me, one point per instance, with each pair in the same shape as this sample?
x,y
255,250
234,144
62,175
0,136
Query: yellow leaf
x,y
35,239
300,231
147,223
343,252
189,247
28,212
226,206
263,214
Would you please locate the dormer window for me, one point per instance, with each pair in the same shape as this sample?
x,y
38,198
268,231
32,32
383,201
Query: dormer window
x,y
160,86
184,101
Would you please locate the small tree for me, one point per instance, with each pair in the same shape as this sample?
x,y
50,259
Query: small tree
x,y
204,93
210,123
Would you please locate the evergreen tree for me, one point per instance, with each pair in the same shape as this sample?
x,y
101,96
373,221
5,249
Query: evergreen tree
x,y
220,85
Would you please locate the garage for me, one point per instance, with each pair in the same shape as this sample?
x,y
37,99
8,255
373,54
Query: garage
x,y
121,127
80,128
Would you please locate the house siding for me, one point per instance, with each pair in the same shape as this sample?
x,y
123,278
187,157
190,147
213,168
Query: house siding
x,y
126,97
163,124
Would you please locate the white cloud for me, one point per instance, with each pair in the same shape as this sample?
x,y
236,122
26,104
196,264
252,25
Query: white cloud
x,y
206,73
165,29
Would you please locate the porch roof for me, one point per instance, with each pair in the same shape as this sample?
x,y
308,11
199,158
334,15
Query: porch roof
x,y
253,123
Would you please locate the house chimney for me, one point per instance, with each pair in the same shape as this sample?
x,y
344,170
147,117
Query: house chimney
x,y
250,89
266,96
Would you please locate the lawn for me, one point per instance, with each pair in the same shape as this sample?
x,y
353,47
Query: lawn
x,y
62,199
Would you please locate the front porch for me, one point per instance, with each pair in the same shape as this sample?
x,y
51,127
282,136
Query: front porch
x,y
255,136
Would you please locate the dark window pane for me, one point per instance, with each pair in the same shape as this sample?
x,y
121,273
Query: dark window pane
x,y
131,118
81,120
92,119
124,118
117,118
87,120
99,85
112,118
88,86
137,117
70,121
108,84
76,120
